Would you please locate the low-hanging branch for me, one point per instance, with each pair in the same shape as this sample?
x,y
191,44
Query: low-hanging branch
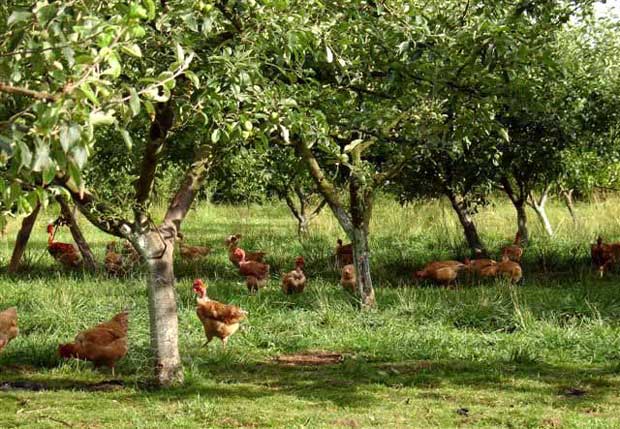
x,y
96,211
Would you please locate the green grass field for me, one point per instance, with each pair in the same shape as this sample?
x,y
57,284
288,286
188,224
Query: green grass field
x,y
545,354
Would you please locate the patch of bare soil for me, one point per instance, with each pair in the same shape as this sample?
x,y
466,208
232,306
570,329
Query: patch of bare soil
x,y
310,358
349,423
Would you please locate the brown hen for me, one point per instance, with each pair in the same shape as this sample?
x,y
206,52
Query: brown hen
x,y
295,281
219,320
103,344
8,326
232,242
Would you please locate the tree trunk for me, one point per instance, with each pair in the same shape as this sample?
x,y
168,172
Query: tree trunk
x,y
361,261
568,200
164,325
87,255
522,221
303,227
519,203
22,239
539,208
361,210
469,227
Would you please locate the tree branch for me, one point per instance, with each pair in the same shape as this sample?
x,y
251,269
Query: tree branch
x,y
318,209
16,90
97,212
194,178
164,117
326,188
291,205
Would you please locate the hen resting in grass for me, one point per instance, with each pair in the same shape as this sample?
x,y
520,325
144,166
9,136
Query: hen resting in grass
x,y
443,272
514,252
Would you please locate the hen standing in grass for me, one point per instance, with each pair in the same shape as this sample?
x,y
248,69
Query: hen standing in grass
x,y
295,281
219,320
232,242
65,253
604,255
104,344
344,254
8,326
256,273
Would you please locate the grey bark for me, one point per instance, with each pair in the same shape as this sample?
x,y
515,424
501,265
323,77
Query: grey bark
x,y
158,249
539,208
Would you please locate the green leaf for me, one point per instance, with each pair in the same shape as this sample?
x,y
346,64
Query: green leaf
x,y
101,118
23,205
80,155
42,159
215,135
49,174
69,135
168,77
127,138
149,108
357,144
134,102
329,55
115,66
137,11
150,8
504,134
133,50
43,197
74,173
18,16
193,78
25,154
180,52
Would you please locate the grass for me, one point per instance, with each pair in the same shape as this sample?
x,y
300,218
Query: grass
x,y
545,354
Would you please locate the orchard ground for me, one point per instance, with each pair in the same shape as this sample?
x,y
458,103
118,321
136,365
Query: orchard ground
x,y
544,354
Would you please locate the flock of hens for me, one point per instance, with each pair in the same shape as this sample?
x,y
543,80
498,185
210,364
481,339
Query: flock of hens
x,y
106,343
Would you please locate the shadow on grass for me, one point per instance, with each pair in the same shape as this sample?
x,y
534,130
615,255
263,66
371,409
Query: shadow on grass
x,y
355,382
